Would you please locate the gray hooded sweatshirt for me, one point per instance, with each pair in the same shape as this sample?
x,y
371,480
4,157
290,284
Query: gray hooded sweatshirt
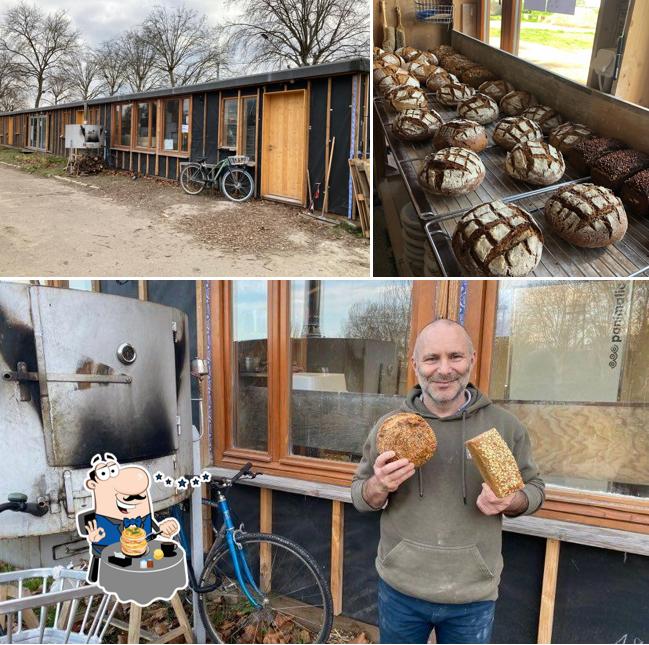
x,y
435,544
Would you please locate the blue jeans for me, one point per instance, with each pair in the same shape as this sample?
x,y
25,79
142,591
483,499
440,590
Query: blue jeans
x,y
404,619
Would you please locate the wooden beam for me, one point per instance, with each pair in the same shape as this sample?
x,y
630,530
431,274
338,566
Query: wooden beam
x,y
633,82
134,623
337,554
142,290
548,593
265,526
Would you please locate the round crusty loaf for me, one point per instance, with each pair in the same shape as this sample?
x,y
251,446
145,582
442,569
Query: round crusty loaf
x,y
421,71
408,53
428,58
390,81
381,71
476,76
393,59
513,130
479,108
409,436
515,102
454,93
586,215
547,117
407,97
452,171
566,135
439,78
535,162
416,125
497,239
496,89
377,52
463,134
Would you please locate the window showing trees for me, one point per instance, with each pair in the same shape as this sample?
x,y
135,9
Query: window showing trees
x,y
176,125
146,125
38,132
238,129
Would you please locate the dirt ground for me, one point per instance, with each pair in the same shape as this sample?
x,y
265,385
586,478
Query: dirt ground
x,y
141,227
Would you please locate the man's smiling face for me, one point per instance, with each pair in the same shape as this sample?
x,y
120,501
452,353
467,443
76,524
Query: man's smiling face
x,y
120,492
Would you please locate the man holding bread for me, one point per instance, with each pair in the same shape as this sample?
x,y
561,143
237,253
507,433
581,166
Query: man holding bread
x,y
439,558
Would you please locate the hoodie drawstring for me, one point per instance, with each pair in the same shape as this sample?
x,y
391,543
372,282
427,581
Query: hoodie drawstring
x,y
463,457
421,484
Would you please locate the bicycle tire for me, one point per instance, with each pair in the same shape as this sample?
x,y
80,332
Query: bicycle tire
x,y
237,185
310,565
185,179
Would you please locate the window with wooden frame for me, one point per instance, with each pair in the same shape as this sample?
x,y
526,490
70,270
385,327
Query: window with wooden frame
x,y
146,123
238,125
176,125
122,125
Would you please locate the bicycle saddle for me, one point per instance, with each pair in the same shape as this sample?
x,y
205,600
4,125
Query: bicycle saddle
x,y
201,159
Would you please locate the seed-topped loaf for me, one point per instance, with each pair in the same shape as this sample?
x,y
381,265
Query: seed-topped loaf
x,y
409,436
479,108
454,93
586,215
476,76
406,97
566,135
513,130
548,118
635,194
457,64
586,152
497,239
496,89
535,162
462,133
515,102
417,125
443,50
439,78
452,171
613,169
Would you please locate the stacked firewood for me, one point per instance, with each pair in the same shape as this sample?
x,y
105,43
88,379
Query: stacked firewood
x,y
85,162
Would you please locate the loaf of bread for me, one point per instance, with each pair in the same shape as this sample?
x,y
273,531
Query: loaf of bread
x,y
513,130
566,135
496,463
452,171
416,125
513,103
461,133
476,76
535,162
635,194
377,52
408,53
409,436
586,152
381,71
428,58
407,97
454,93
421,71
548,118
497,239
479,108
393,59
586,215
496,89
439,78
395,79
443,50
457,64
613,169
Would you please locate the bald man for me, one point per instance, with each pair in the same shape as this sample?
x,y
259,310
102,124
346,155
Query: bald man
x,y
439,559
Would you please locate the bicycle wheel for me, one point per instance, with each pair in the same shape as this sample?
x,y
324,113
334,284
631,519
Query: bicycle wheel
x,y
192,179
237,184
295,603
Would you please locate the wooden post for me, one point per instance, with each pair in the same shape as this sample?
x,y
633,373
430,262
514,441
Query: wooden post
x,y
548,594
265,526
337,554
182,619
134,621
142,290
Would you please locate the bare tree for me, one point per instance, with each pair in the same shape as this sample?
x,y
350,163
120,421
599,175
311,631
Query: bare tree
x,y
111,66
58,85
12,90
301,32
187,48
39,41
139,59
84,77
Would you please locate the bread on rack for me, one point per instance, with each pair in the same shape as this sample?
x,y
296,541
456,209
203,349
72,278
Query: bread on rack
x,y
586,152
497,239
457,64
613,169
417,124
513,103
393,59
407,97
586,215
438,78
513,130
428,58
381,71
395,79
496,89
421,71
635,194
566,135
548,118
496,463
452,171
535,162
479,108
409,436
476,76
454,93
442,50
463,134
377,52
408,53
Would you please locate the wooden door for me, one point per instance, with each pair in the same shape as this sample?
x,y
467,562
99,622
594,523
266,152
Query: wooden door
x,y
10,133
284,146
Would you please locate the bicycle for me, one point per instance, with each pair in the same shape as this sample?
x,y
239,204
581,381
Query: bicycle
x,y
256,585
235,181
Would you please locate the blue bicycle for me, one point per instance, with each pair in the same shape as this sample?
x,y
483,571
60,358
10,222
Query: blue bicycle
x,y
259,587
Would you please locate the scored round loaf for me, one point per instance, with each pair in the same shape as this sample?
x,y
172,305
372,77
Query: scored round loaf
x,y
476,76
454,93
439,78
535,162
421,71
497,239
586,152
479,108
377,52
513,130
392,59
381,71
496,89
548,118
389,82
566,135
613,169
409,436
463,134
428,58
586,215
515,102
452,171
416,125
408,53
406,97
635,194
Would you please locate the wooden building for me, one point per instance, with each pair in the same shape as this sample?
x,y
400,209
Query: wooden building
x,y
285,121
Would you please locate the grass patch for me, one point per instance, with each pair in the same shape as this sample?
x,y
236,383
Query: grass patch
x,y
36,163
346,227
